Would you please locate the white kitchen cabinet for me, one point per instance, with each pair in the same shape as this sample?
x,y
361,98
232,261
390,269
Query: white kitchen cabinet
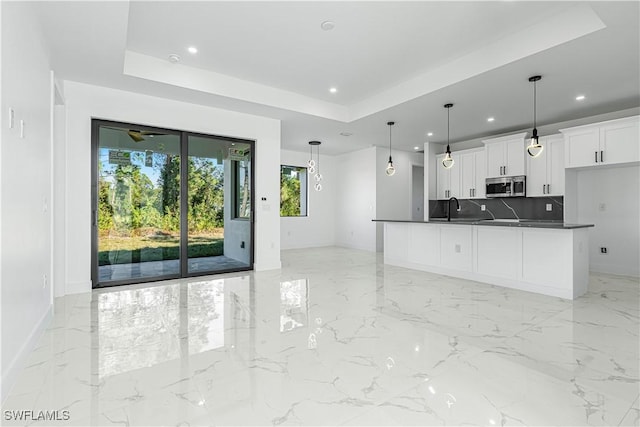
x,y
448,180
605,143
473,174
505,155
548,261
545,173
498,251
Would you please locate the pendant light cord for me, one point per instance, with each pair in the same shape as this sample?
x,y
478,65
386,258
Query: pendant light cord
x,y
534,104
318,159
389,141
448,110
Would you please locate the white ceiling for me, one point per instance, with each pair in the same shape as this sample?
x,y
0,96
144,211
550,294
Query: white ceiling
x,y
389,60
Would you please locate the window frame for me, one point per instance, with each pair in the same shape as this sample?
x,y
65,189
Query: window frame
x,y
304,195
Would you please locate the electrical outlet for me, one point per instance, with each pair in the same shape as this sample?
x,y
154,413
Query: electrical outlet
x,y
602,207
11,118
44,281
603,250
549,207
483,207
457,248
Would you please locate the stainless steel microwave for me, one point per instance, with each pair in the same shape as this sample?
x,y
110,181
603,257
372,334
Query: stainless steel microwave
x,y
506,186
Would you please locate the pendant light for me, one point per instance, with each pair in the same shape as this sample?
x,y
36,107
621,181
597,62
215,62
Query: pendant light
x,y
535,148
390,170
448,161
314,166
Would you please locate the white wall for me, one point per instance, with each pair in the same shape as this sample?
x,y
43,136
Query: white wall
x,y
355,205
394,193
84,102
610,199
25,177
318,227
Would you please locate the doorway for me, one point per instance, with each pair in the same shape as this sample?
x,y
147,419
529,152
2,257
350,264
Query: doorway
x,y
168,204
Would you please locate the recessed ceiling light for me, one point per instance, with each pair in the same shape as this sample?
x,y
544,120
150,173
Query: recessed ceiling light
x,y
346,133
416,148
174,59
192,49
580,98
490,119
333,90
327,25
430,134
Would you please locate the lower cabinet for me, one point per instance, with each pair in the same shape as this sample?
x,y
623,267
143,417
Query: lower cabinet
x,y
552,262
497,252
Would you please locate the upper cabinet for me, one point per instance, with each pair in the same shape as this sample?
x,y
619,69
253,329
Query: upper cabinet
x,y
606,143
545,173
473,165
466,179
505,155
448,180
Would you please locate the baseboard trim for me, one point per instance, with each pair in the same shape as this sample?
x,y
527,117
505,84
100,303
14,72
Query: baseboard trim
x,y
11,374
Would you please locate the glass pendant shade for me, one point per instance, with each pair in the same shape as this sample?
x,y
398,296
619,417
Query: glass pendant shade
x,y
534,149
448,161
314,167
390,170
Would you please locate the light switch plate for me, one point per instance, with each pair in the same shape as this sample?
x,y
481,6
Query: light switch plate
x,y
11,118
483,207
549,207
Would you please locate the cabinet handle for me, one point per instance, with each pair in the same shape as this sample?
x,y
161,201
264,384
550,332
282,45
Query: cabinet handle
x,y
548,188
601,158
596,153
544,191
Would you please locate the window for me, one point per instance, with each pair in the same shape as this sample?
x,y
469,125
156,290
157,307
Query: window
x,y
293,191
242,202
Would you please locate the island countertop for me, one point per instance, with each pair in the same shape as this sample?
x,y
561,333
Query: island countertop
x,y
530,223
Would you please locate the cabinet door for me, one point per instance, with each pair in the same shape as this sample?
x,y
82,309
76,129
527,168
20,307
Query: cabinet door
x,y
537,172
479,186
495,159
555,166
467,171
620,143
454,177
514,156
581,147
442,179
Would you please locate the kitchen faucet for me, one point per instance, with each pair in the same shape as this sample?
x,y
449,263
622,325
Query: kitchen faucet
x,y
449,207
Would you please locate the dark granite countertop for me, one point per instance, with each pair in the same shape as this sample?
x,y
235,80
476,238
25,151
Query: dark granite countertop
x,y
532,223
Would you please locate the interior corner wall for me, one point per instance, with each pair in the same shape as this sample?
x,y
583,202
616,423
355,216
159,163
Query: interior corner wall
x,y
318,227
393,193
609,198
355,205
84,102
25,178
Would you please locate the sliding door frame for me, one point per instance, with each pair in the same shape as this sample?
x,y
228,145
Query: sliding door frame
x,y
184,198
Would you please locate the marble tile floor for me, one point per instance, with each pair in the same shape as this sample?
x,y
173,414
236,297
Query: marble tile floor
x,y
337,338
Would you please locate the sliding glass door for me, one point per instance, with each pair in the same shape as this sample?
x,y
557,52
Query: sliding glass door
x,y
168,204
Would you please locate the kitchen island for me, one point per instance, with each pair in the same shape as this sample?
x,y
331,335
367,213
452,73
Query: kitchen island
x,y
545,257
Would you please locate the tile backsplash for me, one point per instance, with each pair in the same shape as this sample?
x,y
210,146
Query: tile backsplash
x,y
500,208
